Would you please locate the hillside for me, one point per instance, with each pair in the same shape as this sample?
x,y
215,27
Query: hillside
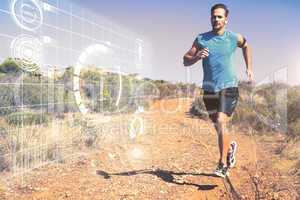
x,y
172,159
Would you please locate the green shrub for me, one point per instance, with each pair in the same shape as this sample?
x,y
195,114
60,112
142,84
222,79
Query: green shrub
x,y
294,128
3,132
26,118
7,102
9,66
4,150
198,108
4,163
293,104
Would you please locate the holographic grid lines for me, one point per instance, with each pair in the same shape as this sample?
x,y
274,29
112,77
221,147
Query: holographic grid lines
x,y
47,37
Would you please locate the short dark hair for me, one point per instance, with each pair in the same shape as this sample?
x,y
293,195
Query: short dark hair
x,y
220,5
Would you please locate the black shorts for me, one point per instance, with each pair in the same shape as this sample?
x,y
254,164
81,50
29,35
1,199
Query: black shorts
x,y
223,101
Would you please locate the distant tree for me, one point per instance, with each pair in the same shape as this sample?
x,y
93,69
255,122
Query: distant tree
x,y
9,65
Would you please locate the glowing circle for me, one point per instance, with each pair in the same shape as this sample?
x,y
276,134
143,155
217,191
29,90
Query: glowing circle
x,y
136,153
27,14
104,53
27,52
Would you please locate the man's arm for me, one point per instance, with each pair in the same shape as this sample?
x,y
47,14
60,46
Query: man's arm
x,y
194,54
247,54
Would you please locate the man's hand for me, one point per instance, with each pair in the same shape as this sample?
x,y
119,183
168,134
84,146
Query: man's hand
x,y
203,53
195,54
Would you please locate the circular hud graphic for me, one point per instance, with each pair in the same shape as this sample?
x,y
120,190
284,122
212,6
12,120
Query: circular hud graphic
x,y
27,14
27,51
100,55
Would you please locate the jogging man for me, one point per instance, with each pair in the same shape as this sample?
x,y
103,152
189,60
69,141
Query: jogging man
x,y
220,84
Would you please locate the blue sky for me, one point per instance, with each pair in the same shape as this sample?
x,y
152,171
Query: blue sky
x,y
270,26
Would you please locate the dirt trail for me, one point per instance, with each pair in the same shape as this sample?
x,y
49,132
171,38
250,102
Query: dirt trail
x,y
172,159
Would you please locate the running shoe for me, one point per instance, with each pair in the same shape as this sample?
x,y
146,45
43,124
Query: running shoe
x,y
231,155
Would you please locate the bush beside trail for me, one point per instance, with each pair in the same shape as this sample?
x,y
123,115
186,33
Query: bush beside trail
x,y
263,108
26,118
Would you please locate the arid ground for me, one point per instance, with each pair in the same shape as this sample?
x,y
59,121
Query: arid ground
x,y
172,158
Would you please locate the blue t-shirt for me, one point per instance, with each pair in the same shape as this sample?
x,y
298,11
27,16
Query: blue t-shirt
x,y
219,72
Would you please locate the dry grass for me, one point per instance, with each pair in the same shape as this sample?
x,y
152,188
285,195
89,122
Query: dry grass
x,y
31,146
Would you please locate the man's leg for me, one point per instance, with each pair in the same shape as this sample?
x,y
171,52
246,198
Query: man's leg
x,y
212,103
220,120
227,102
223,135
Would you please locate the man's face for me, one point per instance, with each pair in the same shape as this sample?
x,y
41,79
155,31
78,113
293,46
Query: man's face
x,y
218,19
